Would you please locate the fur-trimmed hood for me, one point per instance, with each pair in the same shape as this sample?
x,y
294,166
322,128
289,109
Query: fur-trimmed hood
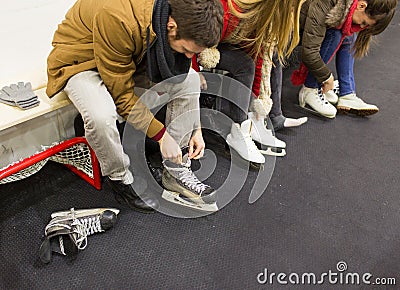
x,y
337,15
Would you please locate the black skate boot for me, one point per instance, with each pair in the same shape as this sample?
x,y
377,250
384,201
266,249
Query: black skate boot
x,y
184,188
67,231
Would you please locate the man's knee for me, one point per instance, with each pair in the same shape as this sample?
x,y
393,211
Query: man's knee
x,y
189,89
193,79
101,121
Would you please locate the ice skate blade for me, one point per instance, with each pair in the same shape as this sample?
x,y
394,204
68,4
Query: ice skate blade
x,y
83,212
253,165
175,198
278,152
243,158
316,113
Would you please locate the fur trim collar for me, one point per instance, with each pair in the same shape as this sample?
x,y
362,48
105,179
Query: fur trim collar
x,y
338,13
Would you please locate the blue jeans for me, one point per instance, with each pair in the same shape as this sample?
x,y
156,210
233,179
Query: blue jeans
x,y
344,61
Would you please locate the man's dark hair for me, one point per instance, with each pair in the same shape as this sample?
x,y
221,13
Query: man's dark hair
x,y
198,20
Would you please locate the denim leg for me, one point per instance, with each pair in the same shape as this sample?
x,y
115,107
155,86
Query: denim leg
x,y
345,66
183,109
328,47
88,93
241,68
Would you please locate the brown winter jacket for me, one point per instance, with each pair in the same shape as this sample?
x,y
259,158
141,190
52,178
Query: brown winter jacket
x,y
110,36
316,17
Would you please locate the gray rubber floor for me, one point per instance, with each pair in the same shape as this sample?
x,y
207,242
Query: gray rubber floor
x,y
333,201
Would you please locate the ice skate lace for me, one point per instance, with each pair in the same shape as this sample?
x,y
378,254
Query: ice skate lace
x,y
336,87
84,227
187,177
60,239
321,97
335,90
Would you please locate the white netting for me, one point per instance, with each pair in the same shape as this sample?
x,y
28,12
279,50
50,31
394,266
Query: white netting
x,y
77,155
24,173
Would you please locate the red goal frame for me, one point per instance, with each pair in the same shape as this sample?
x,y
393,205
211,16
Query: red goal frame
x,y
94,180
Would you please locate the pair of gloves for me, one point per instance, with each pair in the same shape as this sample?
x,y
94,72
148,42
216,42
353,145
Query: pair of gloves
x,y
19,95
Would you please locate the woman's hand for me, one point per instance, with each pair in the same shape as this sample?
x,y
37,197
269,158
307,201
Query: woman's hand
x,y
328,84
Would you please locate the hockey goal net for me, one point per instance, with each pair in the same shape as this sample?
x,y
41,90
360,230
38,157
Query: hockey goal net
x,y
75,154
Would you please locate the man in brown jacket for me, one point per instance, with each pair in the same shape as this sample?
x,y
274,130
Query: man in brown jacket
x,y
99,49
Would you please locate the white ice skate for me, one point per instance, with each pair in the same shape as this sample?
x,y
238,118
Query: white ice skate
x,y
240,140
263,136
332,95
315,103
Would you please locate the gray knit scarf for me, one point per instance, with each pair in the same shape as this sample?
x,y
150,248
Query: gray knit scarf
x,y
163,63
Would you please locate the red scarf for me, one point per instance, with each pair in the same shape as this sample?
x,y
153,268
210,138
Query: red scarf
x,y
347,27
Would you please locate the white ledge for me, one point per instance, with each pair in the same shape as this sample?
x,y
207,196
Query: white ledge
x,y
11,116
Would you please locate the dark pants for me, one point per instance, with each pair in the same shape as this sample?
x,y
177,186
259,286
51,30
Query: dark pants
x,y
236,90
276,88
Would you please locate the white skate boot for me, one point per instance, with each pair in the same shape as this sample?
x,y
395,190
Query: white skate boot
x,y
240,140
319,105
264,136
352,104
332,95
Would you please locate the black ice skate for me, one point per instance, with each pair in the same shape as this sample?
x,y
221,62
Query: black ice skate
x,y
182,187
67,231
